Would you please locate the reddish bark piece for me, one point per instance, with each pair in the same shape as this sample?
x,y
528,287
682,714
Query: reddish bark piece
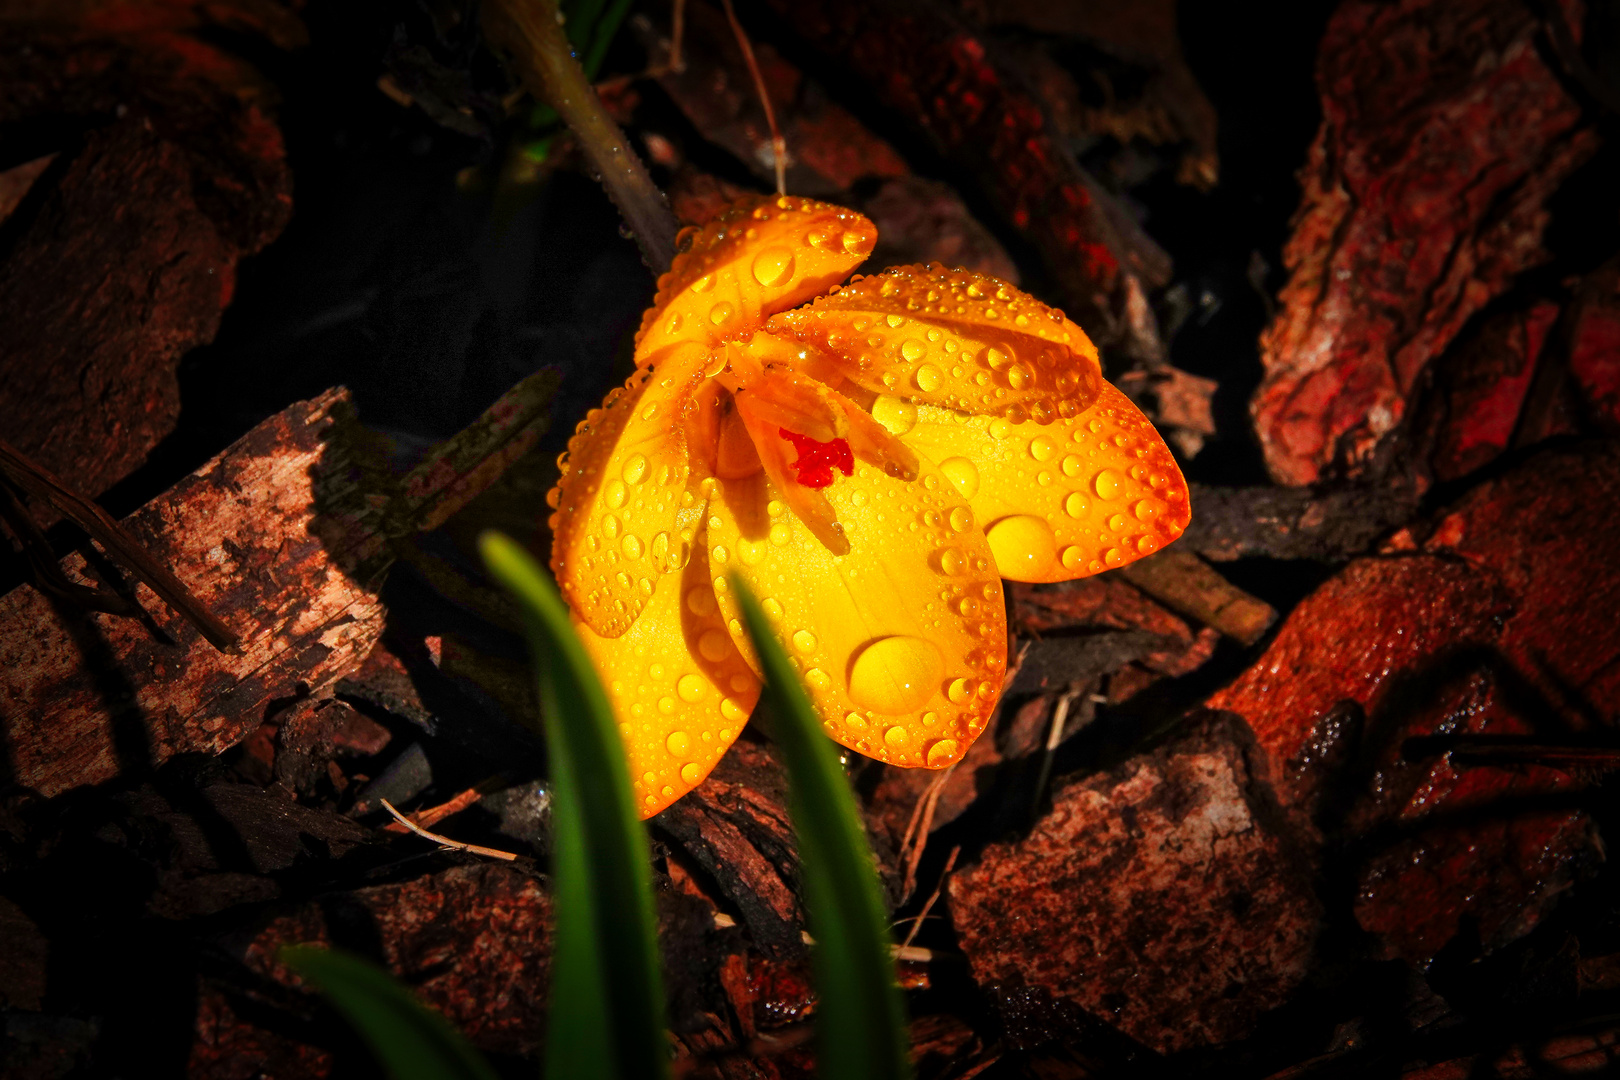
x,y
1501,624
937,74
1483,383
1577,1055
1158,896
1443,134
1106,600
1594,350
473,942
128,258
265,535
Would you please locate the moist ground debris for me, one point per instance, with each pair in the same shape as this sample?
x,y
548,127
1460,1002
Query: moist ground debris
x,y
309,295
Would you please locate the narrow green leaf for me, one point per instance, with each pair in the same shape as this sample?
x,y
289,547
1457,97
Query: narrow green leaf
x,y
411,1040
602,37
860,1019
607,1003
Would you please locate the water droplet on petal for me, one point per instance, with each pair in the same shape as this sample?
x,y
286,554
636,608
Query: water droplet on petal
x,y
817,679
963,474
719,553
895,736
691,773
721,312
1073,558
1076,505
895,675
691,687
959,691
1106,485
678,743
1072,465
941,752
912,349
896,415
614,492
773,266
771,607
951,561
928,378
1023,545
666,705
631,546
1149,509
1042,448
635,469
731,711
804,641
714,645
700,601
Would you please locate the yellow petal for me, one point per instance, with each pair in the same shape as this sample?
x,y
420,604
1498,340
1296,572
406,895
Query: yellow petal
x,y
620,502
679,688
1062,500
902,643
759,257
950,338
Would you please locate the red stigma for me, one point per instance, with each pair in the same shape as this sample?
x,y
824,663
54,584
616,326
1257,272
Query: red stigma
x,y
818,459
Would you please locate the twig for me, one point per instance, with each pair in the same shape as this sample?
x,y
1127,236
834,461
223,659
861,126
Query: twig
x,y
1054,736
534,37
677,33
1182,581
445,841
928,905
46,570
436,814
41,484
778,144
935,790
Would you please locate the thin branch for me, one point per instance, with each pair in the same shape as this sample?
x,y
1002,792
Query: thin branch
x,y
928,905
778,144
445,841
47,573
926,826
84,513
436,814
532,32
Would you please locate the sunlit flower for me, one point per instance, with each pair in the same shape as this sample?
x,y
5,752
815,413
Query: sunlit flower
x,y
872,462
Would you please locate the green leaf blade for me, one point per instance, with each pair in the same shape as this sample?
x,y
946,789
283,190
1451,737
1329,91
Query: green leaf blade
x,y
606,1004
412,1041
861,1031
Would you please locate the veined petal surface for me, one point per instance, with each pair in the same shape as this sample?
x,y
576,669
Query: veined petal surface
x,y
623,491
679,687
902,643
759,257
1062,500
963,341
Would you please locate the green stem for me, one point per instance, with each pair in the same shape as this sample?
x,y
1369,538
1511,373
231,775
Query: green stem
x,y
531,32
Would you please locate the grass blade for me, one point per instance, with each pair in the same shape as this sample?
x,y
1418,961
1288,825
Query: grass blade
x,y
411,1040
607,1004
860,1019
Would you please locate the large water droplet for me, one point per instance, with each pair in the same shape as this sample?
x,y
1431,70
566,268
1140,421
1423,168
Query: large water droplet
x,y
773,266
700,602
817,679
1072,465
614,492
1073,558
1023,546
952,561
750,551
896,415
732,711
928,378
635,469
1042,448
691,687
666,705
780,534
771,607
1106,485
963,474
941,752
1076,505
721,312
631,546
860,238
1149,510
804,641
714,645
895,674
1020,376
961,519
912,349
895,736
691,773
719,553
959,691
678,743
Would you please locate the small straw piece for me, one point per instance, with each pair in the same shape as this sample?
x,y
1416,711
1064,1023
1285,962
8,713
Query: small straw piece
x,y
435,814
445,841
778,144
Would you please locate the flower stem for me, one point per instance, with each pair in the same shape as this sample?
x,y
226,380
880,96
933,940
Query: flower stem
x,y
533,35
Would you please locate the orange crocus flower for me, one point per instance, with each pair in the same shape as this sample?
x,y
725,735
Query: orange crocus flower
x,y
873,460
